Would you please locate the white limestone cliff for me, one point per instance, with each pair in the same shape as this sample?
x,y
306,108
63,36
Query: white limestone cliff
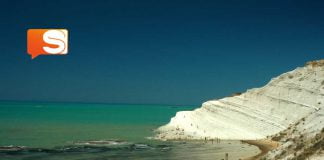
x,y
257,113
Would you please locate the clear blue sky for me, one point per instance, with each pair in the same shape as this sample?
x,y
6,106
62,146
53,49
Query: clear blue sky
x,y
161,52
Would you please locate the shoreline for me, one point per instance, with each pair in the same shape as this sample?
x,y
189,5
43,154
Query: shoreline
x,y
264,145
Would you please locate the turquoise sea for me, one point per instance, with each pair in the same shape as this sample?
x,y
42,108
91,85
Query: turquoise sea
x,y
76,131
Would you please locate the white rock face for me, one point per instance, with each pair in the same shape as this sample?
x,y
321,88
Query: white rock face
x,y
255,114
302,140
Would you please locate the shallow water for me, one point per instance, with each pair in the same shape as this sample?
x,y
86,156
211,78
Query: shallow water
x,y
55,131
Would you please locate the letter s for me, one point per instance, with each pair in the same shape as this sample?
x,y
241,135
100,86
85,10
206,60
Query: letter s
x,y
55,37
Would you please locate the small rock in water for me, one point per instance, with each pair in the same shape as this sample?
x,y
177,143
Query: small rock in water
x,y
11,148
141,146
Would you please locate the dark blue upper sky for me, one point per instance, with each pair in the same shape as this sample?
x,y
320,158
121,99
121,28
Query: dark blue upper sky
x,y
162,52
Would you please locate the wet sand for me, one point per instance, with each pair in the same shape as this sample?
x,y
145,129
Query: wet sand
x,y
264,145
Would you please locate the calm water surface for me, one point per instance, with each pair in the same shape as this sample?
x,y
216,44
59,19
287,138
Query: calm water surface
x,y
59,131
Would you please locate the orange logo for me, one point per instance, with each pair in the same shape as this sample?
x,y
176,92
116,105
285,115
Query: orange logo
x,y
47,42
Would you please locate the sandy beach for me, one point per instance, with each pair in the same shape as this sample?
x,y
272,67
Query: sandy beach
x,y
264,145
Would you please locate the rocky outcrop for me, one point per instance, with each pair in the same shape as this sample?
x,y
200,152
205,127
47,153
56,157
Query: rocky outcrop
x,y
301,140
256,114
